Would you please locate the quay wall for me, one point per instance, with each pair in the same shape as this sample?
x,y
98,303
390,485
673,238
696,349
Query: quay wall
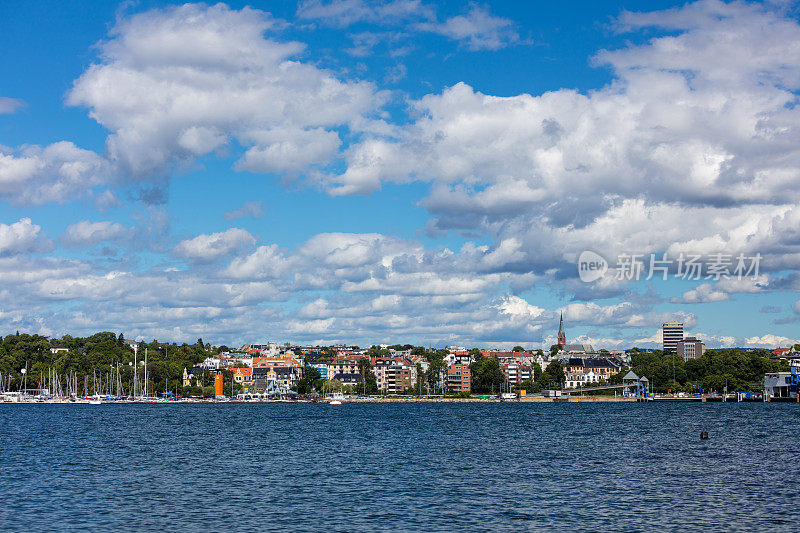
x,y
527,399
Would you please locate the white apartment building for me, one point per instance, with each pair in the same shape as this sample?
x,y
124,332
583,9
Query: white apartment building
x,y
690,348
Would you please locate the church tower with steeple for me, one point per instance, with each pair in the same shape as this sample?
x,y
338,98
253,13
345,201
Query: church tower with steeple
x,y
562,337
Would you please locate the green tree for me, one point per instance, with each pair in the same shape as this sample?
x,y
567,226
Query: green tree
x,y
529,386
332,385
537,372
553,376
311,378
742,370
616,379
370,385
364,366
486,375
420,380
435,367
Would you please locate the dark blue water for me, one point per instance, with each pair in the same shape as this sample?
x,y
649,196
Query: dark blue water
x,y
356,467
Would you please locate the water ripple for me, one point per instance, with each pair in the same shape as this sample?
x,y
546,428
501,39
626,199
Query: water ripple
x,y
433,467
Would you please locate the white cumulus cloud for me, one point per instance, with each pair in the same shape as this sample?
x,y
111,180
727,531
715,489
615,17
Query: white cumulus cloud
x,y
693,145
207,248
87,233
54,173
177,83
478,29
20,237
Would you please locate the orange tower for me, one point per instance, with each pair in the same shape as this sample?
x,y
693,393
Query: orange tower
x,y
218,385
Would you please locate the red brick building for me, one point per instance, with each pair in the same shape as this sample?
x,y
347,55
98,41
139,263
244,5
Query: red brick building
x,y
459,378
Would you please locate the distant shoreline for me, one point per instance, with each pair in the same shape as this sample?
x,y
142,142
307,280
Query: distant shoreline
x,y
528,399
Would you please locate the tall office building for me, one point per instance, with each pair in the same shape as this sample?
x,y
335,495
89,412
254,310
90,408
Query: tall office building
x,y
671,335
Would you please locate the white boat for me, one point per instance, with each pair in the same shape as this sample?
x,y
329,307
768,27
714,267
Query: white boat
x,y
11,397
336,398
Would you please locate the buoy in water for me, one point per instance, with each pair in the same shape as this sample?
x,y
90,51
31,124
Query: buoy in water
x,y
704,434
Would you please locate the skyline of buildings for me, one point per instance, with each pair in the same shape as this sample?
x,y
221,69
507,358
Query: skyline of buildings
x,y
402,370
668,336
442,189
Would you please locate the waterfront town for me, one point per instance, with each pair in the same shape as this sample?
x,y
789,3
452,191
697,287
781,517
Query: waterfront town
x,y
107,367
399,265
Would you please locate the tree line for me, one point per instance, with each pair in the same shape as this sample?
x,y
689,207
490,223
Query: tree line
x,y
738,370
96,358
99,355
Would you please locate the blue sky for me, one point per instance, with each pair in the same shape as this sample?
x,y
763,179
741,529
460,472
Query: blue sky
x,y
396,171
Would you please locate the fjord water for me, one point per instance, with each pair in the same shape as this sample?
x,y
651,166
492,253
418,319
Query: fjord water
x,y
366,467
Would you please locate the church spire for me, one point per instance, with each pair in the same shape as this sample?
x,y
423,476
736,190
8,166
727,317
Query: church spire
x,y
562,337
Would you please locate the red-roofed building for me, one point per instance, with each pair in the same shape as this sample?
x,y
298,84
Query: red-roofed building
x,y
344,364
242,375
270,362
